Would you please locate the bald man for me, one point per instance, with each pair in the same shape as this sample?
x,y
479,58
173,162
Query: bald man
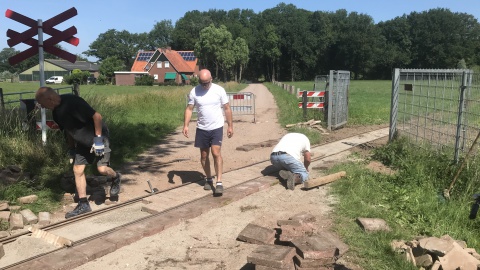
x,y
86,135
209,98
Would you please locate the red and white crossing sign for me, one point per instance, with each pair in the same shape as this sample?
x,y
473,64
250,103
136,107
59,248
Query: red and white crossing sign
x,y
39,46
311,93
312,105
50,125
37,28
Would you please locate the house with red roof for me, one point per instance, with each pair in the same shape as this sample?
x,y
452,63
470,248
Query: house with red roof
x,y
164,65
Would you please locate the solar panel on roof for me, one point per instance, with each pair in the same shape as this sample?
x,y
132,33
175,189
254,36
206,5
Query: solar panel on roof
x,y
144,56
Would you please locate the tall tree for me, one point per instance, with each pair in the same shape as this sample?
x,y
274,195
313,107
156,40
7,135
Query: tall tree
x,y
440,38
161,35
187,29
267,50
110,65
323,36
293,28
240,52
396,49
216,45
356,43
120,44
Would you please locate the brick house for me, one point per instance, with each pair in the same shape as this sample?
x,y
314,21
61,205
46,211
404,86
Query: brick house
x,y
163,65
58,67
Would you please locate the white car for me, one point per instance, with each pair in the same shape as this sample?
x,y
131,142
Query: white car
x,y
54,80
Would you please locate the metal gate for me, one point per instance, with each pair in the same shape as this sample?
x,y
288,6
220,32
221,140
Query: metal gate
x,y
337,98
241,103
440,107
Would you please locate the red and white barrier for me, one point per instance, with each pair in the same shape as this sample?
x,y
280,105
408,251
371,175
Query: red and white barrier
x,y
312,105
312,93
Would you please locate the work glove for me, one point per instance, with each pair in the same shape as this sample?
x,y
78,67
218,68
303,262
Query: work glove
x,y
98,147
71,154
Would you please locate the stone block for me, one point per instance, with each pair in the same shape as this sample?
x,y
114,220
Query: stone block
x,y
96,248
4,215
272,256
4,234
436,245
458,258
336,241
424,261
311,263
4,206
290,232
16,221
255,234
315,247
29,217
289,222
27,199
373,224
290,266
14,208
304,217
44,218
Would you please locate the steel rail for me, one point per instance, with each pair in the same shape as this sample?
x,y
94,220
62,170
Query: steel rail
x,y
129,202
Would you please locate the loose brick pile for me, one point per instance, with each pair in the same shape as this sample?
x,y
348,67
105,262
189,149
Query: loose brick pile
x,y
18,218
297,245
434,253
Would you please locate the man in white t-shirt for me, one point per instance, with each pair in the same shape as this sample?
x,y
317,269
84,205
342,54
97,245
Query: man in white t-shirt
x,y
287,157
209,99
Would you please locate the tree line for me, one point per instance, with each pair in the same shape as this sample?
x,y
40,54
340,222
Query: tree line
x,y
290,44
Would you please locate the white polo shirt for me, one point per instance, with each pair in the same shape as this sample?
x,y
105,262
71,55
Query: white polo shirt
x,y
209,104
294,144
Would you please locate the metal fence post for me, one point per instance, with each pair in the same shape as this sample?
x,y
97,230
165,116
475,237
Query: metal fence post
x,y
394,104
76,89
2,101
304,104
461,106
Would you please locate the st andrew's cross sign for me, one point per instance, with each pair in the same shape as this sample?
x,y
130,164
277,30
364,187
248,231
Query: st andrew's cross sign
x,y
38,28
39,46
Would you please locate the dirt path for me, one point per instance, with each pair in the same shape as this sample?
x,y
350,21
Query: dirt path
x,y
209,241
175,160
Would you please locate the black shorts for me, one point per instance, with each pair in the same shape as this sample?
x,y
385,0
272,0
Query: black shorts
x,y
207,138
84,157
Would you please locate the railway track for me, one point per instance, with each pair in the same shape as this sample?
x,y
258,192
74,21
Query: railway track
x,y
173,204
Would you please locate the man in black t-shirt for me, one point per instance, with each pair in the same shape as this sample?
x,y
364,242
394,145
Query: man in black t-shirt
x,y
86,135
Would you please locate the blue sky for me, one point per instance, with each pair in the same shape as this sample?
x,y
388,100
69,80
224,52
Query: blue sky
x,y
96,17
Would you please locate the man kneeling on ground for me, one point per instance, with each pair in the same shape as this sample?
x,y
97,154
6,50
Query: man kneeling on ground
x,y
286,156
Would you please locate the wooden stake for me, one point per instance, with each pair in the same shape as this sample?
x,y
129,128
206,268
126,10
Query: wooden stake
x,y
323,180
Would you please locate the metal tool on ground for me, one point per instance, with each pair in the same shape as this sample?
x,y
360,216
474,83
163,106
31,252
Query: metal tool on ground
x,y
446,192
152,190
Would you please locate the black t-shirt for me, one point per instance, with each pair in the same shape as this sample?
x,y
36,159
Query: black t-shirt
x,y
74,116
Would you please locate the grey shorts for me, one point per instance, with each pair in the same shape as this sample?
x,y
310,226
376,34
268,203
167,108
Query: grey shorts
x,y
207,138
84,157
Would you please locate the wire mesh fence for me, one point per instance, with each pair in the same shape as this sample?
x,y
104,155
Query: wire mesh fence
x,y
438,107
